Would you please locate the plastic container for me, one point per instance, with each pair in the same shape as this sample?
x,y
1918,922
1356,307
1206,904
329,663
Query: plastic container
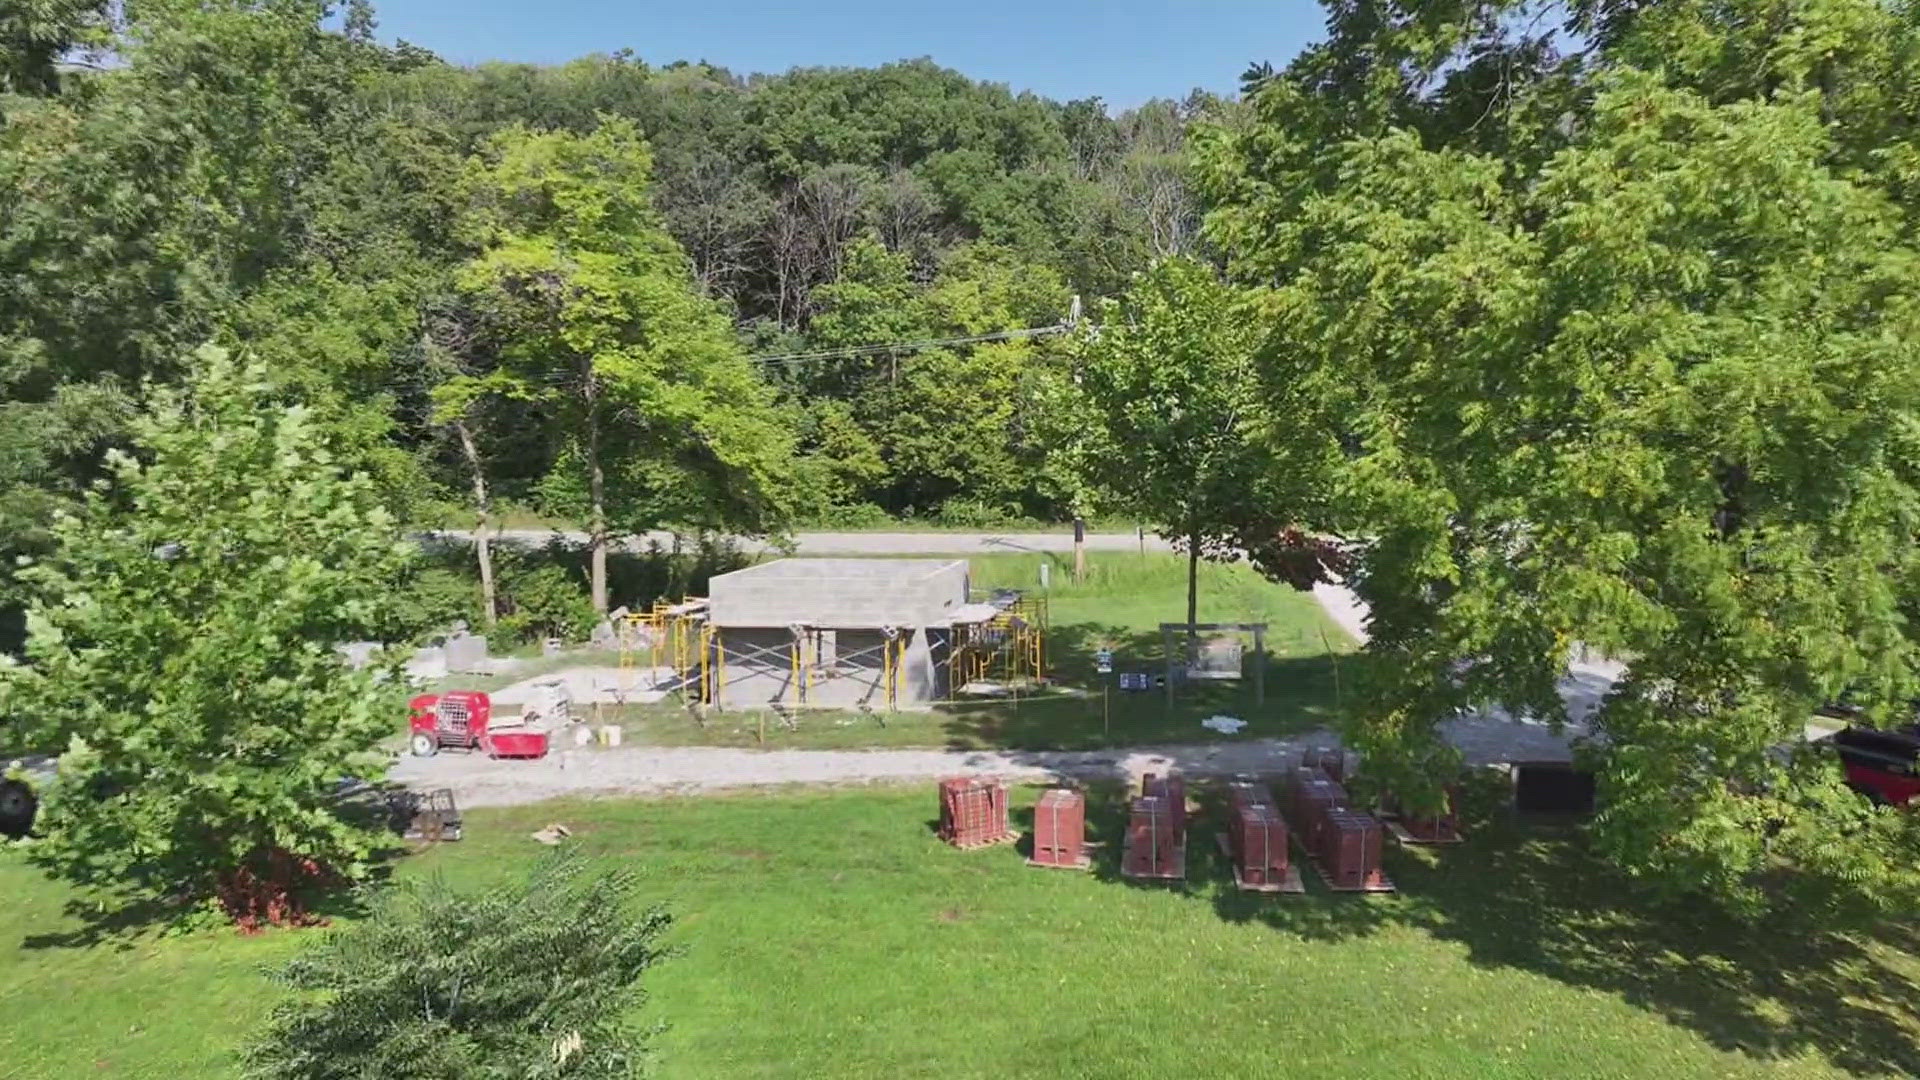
x,y
517,744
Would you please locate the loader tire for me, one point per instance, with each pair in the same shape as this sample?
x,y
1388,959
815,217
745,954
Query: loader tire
x,y
17,807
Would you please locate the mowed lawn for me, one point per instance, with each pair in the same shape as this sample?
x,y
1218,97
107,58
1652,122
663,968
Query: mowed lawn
x,y
828,934
1119,605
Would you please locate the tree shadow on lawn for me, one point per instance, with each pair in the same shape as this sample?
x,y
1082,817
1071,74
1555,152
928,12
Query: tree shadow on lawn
x,y
1533,896
1301,694
122,924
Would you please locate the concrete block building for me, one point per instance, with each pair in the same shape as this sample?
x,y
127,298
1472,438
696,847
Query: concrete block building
x,y
836,633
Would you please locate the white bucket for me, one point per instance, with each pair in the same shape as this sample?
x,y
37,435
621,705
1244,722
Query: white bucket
x,y
610,735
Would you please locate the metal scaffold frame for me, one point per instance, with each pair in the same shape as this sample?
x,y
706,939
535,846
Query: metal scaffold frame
x,y
800,653
673,635
1007,649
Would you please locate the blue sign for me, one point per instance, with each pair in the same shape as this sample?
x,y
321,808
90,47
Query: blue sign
x,y
1134,680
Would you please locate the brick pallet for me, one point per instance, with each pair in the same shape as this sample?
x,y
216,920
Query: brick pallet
x,y
1060,831
1312,799
1242,794
1256,844
1331,762
1441,829
973,813
1348,859
1153,850
1174,791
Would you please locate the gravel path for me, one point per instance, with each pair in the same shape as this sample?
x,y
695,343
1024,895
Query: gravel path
x,y
643,770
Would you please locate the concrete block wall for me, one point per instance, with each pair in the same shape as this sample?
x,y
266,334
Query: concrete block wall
x,y
848,600
838,593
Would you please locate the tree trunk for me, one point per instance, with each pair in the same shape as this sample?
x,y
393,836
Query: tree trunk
x,y
1193,589
482,543
597,499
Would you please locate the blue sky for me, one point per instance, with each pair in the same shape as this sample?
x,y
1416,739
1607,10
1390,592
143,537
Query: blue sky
x,y
1124,51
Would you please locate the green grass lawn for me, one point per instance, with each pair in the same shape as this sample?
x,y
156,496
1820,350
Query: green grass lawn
x,y
828,934
1120,605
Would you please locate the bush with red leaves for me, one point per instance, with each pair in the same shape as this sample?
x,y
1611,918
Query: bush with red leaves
x,y
1295,557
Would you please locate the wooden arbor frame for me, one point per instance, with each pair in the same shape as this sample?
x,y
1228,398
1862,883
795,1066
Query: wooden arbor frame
x,y
1259,630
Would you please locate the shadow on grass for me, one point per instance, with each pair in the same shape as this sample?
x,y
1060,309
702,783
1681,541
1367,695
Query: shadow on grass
x,y
1532,896
124,925
1301,693
121,923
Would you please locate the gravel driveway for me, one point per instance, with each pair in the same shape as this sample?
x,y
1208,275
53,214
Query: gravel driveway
x,y
642,770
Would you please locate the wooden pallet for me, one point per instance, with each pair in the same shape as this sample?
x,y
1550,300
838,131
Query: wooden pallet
x,y
1291,883
1085,863
1402,836
975,845
1087,849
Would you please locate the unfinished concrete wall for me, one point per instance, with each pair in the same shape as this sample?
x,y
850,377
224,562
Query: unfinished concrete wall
x,y
757,669
844,603
840,593
755,666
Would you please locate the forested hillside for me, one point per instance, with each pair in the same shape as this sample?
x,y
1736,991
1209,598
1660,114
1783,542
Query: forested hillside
x,y
359,216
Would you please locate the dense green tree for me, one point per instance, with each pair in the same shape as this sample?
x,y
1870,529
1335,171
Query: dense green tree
x,y
656,416
36,35
140,211
183,657
1609,362
263,174
1174,425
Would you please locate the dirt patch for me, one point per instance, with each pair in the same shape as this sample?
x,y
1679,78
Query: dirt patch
x,y
951,915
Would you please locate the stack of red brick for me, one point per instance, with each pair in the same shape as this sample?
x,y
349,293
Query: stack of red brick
x,y
1313,795
1173,790
1257,836
1442,826
1350,850
1060,828
973,812
1154,846
1345,842
1331,762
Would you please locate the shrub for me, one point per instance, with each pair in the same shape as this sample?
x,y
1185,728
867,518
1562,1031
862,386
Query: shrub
x,y
544,601
535,978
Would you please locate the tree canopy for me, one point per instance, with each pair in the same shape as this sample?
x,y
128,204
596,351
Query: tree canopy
x,y
183,657
1618,353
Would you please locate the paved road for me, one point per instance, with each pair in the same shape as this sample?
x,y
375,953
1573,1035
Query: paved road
x,y
875,543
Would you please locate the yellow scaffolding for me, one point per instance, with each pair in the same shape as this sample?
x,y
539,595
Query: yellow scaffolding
x,y
642,638
1007,649
673,635
890,667
805,654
